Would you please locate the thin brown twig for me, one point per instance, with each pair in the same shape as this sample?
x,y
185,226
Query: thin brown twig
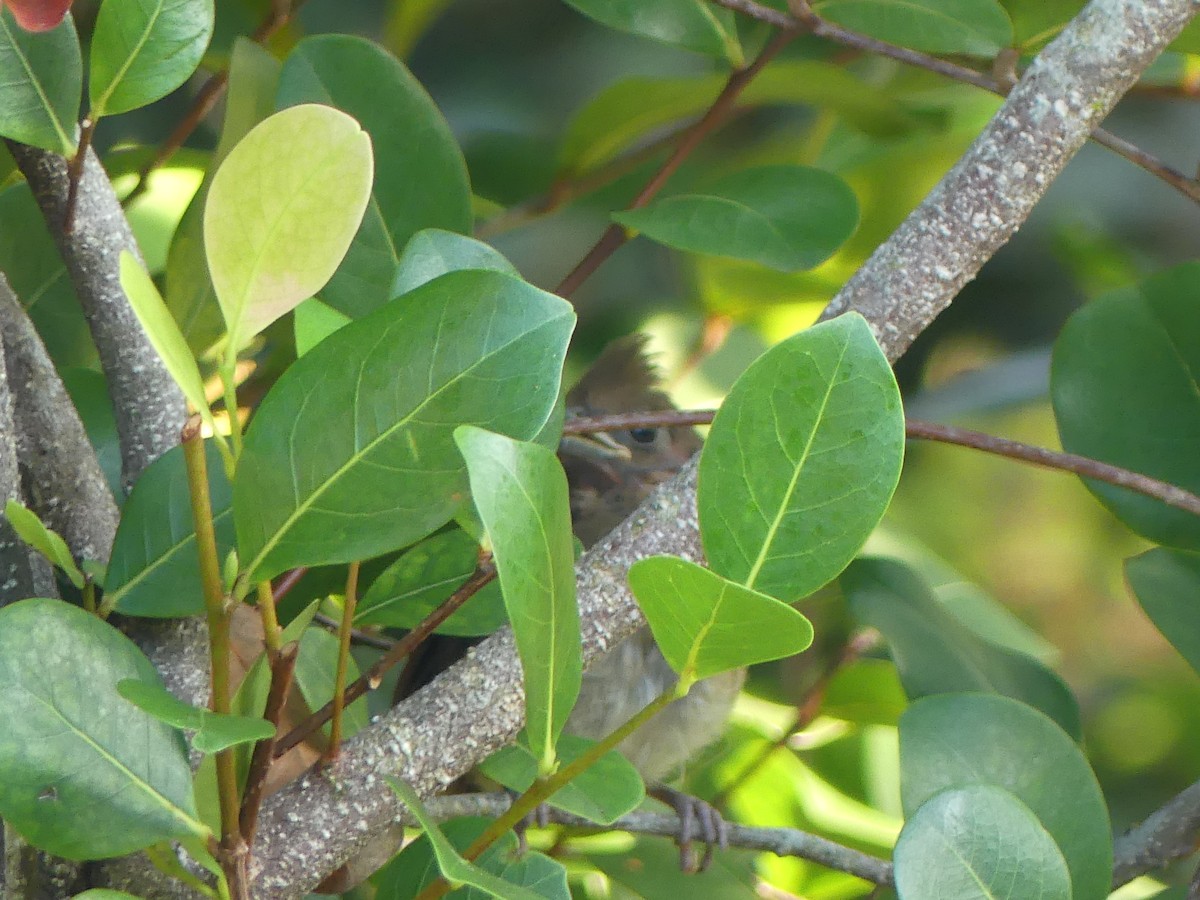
x,y
283,666
1189,187
916,429
377,641
614,236
484,573
75,171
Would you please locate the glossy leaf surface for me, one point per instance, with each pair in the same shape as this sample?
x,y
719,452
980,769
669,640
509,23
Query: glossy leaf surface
x,y
385,394
1148,337
784,217
433,252
973,27
957,740
691,24
520,491
802,460
42,74
700,620
978,843
83,773
281,211
144,49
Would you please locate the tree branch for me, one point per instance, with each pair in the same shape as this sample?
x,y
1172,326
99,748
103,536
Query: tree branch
x,y
476,707
1168,834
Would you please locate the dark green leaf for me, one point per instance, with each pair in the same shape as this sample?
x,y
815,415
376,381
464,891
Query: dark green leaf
x,y
213,732
83,774
421,180
384,395
154,569
802,460
692,24
414,585
281,212
42,74
784,217
1167,585
700,620
604,792
45,541
973,27
1123,382
956,740
937,654
433,252
520,492
143,50
89,395
978,843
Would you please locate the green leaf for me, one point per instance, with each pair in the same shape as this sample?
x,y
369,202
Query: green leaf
x,y
972,27
104,894
154,569
700,620
978,843
692,24
867,693
45,541
802,460
605,791
281,211
631,111
456,869
434,252
314,321
421,181
1166,584
957,740
385,394
249,98
213,732
937,654
83,774
315,669
1123,383
784,217
412,587
168,341
520,491
144,49
42,74
35,269
88,391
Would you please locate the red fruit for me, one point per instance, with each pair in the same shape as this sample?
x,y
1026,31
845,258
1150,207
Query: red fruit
x,y
38,15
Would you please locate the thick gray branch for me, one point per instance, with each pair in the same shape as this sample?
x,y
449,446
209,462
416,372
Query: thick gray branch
x,y
1167,834
148,405
984,199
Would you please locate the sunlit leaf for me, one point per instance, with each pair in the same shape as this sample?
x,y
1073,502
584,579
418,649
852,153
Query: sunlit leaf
x,y
434,252
383,395
45,541
802,460
144,49
700,620
83,773
520,491
281,211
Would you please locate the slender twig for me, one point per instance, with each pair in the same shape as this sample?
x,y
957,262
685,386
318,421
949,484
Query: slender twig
x,y
614,236
287,581
349,602
232,845
916,429
483,574
283,666
1189,187
75,171
272,633
377,641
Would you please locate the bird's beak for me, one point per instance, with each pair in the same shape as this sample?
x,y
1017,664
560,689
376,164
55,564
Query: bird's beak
x,y
597,447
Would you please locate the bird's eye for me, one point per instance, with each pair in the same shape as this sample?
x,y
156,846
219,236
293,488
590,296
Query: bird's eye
x,y
643,435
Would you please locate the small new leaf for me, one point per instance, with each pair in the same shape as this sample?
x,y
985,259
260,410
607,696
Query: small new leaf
x,y
45,541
